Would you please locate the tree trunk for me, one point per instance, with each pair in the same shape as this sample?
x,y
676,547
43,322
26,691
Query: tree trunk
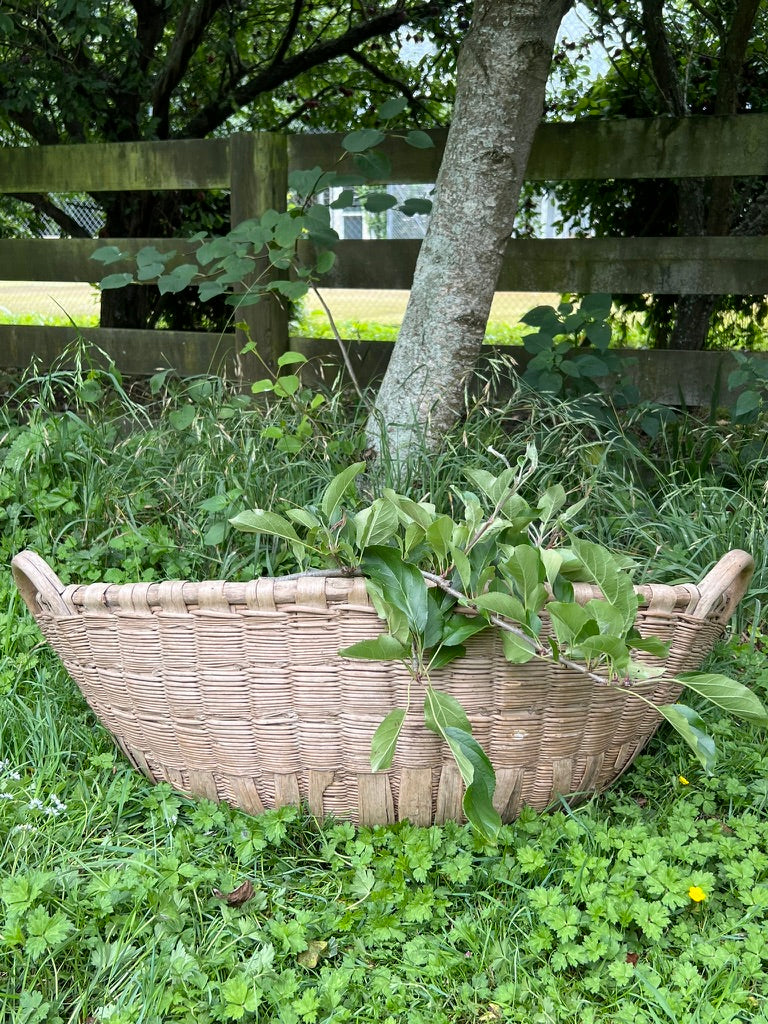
x,y
501,79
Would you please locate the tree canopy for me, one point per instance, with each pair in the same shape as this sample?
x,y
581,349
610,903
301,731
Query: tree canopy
x,y
703,59
75,71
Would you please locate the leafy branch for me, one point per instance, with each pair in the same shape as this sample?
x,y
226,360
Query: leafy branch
x,y
437,582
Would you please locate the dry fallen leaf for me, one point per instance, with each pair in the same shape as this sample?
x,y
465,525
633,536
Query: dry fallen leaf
x,y
312,953
238,896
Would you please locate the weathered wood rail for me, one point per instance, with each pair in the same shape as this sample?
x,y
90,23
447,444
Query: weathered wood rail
x,y
254,168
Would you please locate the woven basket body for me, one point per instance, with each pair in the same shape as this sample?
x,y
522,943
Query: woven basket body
x,y
237,692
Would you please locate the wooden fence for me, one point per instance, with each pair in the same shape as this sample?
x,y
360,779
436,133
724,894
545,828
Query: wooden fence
x,y
254,168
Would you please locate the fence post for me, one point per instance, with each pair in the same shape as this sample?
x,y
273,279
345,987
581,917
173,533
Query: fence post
x,y
258,165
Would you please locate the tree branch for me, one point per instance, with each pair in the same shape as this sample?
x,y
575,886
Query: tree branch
x,y
217,112
43,205
733,53
414,102
290,32
191,26
662,58
151,20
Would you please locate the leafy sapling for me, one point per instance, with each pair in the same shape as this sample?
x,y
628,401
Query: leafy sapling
x,y
282,254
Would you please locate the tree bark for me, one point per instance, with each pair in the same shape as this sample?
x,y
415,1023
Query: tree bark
x,y
502,73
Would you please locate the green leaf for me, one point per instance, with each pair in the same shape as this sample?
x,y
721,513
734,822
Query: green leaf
x,y
149,255
420,512
359,142
395,619
375,166
182,418
459,628
415,206
609,618
108,254
45,933
438,535
591,366
288,230
598,306
215,534
527,570
649,645
293,290
571,622
414,535
325,261
481,783
115,281
443,656
287,385
392,107
210,289
516,650
610,647
380,648
419,140
288,358
149,271
690,726
303,517
728,694
306,183
551,560
501,604
336,489
545,318
445,716
603,569
178,279
401,583
344,201
258,520
441,711
747,402
463,568
385,740
546,381
600,335
376,524
377,202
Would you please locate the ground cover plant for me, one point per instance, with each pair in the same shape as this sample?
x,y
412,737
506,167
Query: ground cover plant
x,y
124,902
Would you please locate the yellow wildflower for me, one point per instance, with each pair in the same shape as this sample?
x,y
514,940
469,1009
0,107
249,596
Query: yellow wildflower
x,y
682,780
697,894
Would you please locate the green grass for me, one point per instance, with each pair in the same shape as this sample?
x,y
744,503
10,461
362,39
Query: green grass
x,y
314,324
47,320
108,886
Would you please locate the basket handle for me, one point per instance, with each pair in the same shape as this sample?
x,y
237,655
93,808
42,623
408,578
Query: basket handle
x,y
39,585
729,579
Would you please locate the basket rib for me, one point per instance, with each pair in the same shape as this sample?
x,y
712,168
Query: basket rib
x,y
236,691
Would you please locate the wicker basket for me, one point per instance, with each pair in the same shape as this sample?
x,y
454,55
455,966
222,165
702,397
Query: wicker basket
x,y
236,692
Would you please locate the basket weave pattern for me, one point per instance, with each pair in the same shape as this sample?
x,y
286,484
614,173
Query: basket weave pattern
x,y
236,692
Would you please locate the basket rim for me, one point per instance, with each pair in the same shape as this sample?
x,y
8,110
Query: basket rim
x,y
714,598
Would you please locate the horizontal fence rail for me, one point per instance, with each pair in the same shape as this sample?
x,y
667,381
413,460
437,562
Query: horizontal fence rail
x,y
254,168
699,266
653,147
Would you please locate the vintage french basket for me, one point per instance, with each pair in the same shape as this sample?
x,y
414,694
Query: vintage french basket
x,y
236,692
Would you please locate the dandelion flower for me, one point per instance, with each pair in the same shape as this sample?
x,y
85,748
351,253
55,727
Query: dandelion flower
x,y
682,780
697,894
